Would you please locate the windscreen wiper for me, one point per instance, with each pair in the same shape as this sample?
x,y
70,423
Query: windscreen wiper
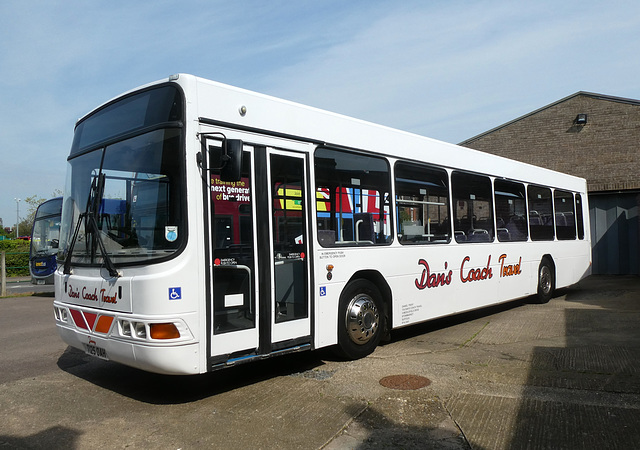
x,y
67,261
92,228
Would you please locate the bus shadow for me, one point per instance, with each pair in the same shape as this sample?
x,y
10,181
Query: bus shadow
x,y
177,389
53,437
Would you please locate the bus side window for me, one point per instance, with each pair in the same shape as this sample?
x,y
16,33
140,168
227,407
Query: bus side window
x,y
579,217
422,204
473,207
540,213
352,199
564,215
511,211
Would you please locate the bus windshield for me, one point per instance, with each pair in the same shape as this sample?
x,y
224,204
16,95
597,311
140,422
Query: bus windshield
x,y
124,201
45,237
46,228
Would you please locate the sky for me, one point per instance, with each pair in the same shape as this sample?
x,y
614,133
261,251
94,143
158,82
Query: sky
x,y
448,69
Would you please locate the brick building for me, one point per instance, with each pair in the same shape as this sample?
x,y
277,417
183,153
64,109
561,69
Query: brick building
x,y
596,137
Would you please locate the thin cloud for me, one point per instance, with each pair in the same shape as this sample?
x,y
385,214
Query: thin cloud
x,y
448,70
431,70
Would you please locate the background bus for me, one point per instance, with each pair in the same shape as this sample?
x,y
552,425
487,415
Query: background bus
x,y
205,226
45,236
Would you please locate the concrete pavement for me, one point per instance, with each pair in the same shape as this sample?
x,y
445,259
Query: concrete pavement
x,y
561,375
521,375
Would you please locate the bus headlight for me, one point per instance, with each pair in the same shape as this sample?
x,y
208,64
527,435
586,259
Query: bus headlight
x,y
60,314
125,328
141,331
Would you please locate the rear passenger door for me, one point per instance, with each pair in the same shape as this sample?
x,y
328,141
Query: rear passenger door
x,y
288,247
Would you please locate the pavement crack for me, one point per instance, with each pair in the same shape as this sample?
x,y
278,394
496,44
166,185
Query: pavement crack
x,y
474,335
345,427
453,419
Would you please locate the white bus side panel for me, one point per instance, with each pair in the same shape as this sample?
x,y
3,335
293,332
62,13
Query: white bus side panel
x,y
428,282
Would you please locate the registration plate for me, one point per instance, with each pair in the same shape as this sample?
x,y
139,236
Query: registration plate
x,y
96,351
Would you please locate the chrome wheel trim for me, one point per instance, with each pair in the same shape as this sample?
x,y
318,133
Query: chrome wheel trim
x,y
363,319
545,280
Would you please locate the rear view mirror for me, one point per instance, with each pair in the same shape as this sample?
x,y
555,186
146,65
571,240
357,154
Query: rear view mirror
x,y
232,153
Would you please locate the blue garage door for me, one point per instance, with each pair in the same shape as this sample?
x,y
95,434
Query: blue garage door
x,y
615,233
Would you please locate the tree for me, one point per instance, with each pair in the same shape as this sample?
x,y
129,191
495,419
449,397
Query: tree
x,y
27,222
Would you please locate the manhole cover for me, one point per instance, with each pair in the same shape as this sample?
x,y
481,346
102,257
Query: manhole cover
x,y
405,382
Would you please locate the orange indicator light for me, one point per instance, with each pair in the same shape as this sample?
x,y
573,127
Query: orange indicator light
x,y
104,324
163,331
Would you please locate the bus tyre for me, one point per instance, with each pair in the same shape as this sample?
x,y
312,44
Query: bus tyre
x,y
360,319
546,281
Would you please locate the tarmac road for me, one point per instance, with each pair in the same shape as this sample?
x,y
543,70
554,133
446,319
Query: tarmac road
x,y
520,375
22,285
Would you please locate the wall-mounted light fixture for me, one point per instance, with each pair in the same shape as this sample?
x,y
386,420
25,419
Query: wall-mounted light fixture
x,y
581,119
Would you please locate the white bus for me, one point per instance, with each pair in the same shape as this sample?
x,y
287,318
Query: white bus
x,y
205,226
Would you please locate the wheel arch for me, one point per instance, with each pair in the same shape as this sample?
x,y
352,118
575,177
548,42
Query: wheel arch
x,y
552,262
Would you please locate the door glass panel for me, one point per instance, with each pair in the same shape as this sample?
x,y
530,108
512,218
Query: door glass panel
x,y
289,238
231,292
233,272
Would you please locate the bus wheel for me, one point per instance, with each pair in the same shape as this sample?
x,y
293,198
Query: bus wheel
x,y
360,320
546,281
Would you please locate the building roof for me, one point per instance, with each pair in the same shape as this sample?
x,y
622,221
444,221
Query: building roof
x,y
595,96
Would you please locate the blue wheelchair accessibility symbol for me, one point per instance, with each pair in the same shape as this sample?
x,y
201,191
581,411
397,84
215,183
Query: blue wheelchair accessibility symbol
x,y
175,293
323,291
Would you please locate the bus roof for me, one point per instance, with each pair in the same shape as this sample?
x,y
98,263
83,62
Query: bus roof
x,y
221,103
